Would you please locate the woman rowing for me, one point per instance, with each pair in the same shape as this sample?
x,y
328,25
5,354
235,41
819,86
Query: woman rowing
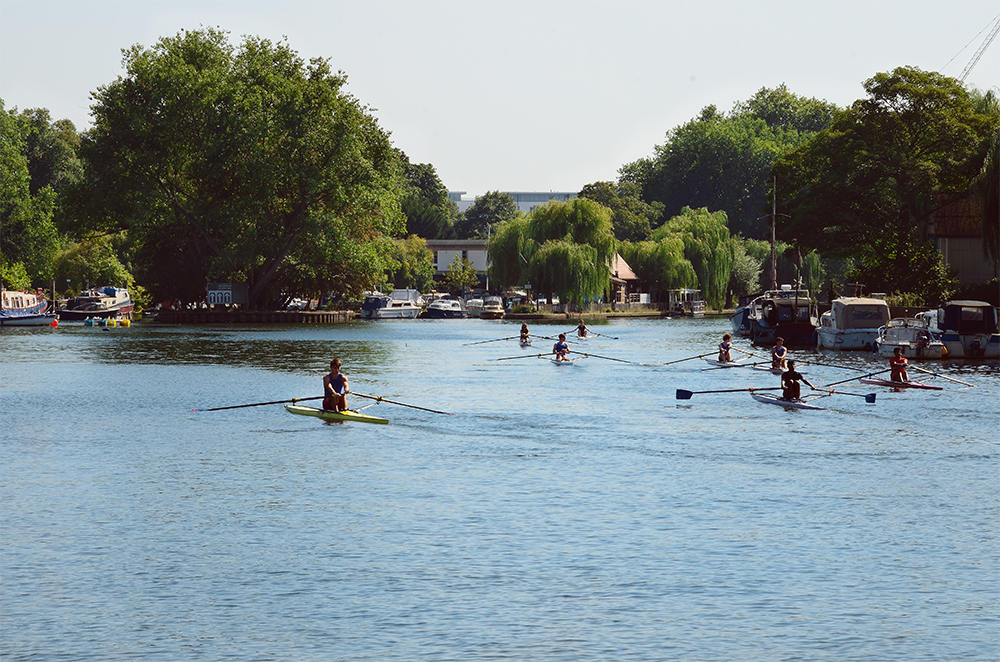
x,y
525,335
898,364
581,329
778,354
790,387
335,388
725,349
561,349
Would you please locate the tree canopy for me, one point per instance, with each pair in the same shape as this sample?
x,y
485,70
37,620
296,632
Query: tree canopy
x,y
487,211
864,188
707,246
723,162
561,248
243,164
430,213
631,217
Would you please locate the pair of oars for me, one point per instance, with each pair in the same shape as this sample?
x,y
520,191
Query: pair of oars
x,y
803,361
686,395
377,399
590,333
483,342
593,356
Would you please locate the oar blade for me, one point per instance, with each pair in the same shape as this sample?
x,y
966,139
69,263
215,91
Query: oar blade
x,y
870,398
684,395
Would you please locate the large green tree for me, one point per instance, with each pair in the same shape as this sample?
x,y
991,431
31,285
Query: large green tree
x,y
561,248
28,237
243,164
723,161
430,213
865,187
707,246
631,217
487,211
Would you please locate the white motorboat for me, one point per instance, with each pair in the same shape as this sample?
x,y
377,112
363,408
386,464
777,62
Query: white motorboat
x,y
912,335
852,323
474,307
401,304
492,308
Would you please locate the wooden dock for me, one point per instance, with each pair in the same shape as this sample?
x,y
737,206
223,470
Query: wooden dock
x,y
254,317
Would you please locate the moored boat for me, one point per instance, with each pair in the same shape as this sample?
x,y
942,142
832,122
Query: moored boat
x,y
24,309
445,308
329,415
852,323
912,335
787,313
492,308
968,329
401,304
100,302
474,307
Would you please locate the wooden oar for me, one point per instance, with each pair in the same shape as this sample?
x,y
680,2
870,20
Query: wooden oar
x,y
378,399
844,381
686,395
258,404
959,381
607,358
595,333
482,342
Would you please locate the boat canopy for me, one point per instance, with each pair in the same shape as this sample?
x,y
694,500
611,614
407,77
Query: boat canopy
x,y
966,317
860,313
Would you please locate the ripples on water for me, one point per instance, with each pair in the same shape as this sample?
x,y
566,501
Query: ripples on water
x,y
563,513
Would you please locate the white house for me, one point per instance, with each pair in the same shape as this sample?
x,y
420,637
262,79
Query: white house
x,y
445,250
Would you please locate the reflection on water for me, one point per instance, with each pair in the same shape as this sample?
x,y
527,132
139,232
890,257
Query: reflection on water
x,y
562,513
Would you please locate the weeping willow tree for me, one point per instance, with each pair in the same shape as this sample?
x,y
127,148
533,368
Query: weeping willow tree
x,y
561,248
707,245
660,265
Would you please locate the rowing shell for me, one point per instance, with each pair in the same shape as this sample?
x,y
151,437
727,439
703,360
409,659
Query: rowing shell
x,y
772,399
565,362
328,415
725,364
875,381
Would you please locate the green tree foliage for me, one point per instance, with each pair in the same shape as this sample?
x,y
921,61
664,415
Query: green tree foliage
x,y
720,161
243,164
707,246
561,248
864,188
660,265
416,269
52,151
94,261
461,276
631,217
986,193
486,212
430,213
28,236
744,277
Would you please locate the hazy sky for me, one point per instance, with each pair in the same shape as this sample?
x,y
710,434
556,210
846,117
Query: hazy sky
x,y
520,96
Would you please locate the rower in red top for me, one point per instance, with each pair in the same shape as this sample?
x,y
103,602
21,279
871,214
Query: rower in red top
x,y
335,388
898,364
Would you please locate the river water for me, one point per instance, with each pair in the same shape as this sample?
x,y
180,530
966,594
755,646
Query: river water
x,y
562,513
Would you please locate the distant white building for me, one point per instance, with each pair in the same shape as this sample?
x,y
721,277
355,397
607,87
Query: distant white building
x,y
526,200
445,251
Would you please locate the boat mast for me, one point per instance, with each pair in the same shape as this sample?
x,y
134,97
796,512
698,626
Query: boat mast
x,y
774,251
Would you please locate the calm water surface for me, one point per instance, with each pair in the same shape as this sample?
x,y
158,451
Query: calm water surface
x,y
562,513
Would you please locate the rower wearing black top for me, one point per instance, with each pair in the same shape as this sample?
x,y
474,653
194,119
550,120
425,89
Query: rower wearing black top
x,y
790,379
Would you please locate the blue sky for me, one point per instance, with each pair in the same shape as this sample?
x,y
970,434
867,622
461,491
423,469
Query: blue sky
x,y
543,95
